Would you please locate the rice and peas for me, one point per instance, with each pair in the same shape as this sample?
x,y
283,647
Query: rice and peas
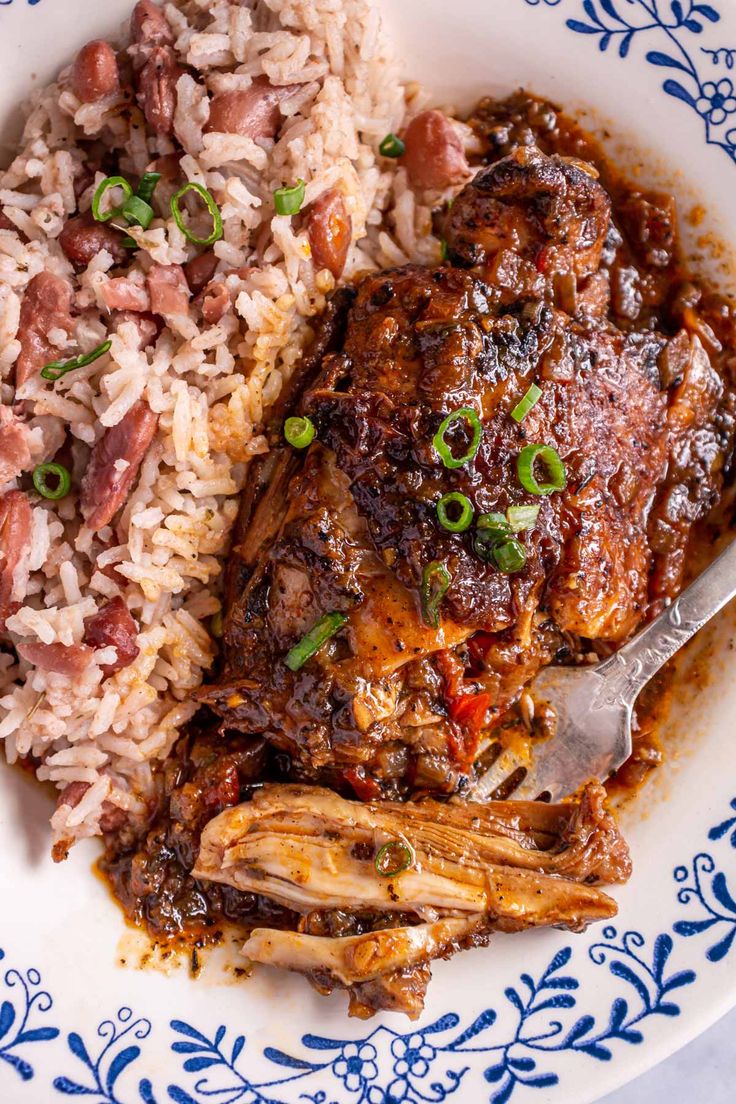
x,y
98,736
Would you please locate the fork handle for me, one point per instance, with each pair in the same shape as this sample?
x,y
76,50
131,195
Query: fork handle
x,y
629,669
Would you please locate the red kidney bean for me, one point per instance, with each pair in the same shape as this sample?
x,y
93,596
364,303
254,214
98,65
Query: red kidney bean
x,y
330,229
95,72
149,25
434,156
157,89
113,626
46,305
105,487
83,238
253,112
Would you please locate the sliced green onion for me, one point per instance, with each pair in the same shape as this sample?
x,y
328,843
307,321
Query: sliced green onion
x,y
391,146
299,432
522,517
394,858
147,186
441,446
462,521
524,405
443,249
40,481
436,581
509,556
108,183
128,243
494,525
548,456
318,635
211,206
58,368
137,212
288,201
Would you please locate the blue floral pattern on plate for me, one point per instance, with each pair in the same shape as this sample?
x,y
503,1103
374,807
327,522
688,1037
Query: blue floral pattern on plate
x,y
424,1065
429,1064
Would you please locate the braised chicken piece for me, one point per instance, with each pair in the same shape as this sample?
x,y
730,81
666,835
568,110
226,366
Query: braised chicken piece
x,y
424,638
420,879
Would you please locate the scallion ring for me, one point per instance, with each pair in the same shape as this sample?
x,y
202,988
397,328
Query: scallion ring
x,y
522,517
530,399
147,186
137,212
288,201
318,635
436,581
299,432
40,481
448,458
58,368
462,519
443,249
510,556
109,182
394,858
391,146
544,454
211,206
494,525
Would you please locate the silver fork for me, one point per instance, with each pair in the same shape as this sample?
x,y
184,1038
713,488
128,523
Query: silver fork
x,y
593,705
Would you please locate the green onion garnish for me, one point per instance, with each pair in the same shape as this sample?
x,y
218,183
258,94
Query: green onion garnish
x,y
58,368
548,456
394,858
441,446
147,186
318,635
40,481
211,206
108,183
391,146
436,581
288,201
494,525
299,432
509,556
462,520
522,517
137,212
443,249
525,404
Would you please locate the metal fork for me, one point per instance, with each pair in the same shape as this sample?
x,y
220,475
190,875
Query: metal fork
x,y
592,706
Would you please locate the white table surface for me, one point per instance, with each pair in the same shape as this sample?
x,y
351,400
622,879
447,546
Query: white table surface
x,y
702,1073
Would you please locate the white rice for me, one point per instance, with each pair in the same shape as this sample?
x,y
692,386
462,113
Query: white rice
x,y
210,386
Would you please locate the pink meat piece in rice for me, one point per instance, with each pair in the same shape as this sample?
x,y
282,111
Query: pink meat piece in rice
x,y
61,659
168,289
123,294
16,521
107,482
15,455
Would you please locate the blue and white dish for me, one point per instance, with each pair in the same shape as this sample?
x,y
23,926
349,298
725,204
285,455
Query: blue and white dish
x,y
542,1017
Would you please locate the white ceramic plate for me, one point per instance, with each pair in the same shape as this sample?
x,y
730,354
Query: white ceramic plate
x,y
543,1017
